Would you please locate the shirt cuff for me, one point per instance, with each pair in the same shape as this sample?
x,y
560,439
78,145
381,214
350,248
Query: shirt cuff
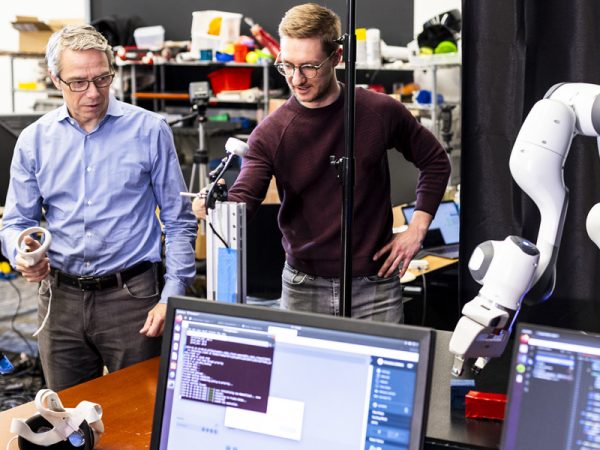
x,y
171,289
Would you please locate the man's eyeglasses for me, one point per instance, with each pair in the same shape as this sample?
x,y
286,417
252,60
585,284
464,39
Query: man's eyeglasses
x,y
306,70
82,85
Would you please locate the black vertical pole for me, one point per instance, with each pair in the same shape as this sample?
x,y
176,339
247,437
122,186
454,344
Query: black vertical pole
x,y
347,165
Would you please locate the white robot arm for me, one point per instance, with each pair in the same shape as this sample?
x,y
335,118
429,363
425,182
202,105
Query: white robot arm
x,y
508,275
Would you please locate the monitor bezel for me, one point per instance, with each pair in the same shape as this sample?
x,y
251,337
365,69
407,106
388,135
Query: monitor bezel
x,y
425,336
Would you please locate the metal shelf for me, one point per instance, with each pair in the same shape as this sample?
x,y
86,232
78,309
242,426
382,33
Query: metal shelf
x,y
161,69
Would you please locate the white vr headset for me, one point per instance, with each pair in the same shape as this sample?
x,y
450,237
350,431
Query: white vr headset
x,y
59,427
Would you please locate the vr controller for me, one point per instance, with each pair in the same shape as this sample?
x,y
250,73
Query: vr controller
x,y
31,257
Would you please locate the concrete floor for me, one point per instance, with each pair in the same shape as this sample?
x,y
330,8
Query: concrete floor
x,y
25,322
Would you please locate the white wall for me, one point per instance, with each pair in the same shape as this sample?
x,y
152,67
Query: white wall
x,y
26,70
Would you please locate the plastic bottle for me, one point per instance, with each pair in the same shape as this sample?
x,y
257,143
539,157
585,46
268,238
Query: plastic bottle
x,y
361,46
373,47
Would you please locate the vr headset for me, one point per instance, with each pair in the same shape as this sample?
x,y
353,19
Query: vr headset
x,y
59,428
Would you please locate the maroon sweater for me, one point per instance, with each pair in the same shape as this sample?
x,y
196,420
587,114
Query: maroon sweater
x,y
294,144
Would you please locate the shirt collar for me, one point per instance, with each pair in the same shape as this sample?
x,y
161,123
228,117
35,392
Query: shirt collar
x,y
114,109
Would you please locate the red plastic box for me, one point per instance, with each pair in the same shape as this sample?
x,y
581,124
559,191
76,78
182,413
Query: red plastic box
x,y
485,405
230,79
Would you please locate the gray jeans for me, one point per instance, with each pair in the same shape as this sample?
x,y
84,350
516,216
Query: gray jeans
x,y
87,330
373,298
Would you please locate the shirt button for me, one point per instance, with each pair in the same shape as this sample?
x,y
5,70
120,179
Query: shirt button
x,y
89,168
89,203
88,234
87,264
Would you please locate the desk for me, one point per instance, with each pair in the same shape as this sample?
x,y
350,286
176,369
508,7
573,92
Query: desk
x,y
127,398
446,429
435,263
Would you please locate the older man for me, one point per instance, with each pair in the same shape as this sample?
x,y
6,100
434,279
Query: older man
x,y
96,169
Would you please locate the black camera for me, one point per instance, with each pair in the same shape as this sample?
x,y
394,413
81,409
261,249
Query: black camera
x,y
199,93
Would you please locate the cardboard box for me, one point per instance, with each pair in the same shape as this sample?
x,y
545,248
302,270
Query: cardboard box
x,y
34,34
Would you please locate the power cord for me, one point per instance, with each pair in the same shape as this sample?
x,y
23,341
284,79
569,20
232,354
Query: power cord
x,y
424,313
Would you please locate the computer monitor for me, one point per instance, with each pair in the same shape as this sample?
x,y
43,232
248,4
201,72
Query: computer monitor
x,y
554,390
11,126
239,377
446,222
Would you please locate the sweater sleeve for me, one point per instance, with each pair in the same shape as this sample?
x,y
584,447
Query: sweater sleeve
x,y
420,146
253,181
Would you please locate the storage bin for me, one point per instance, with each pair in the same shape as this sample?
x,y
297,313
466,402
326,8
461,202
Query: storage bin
x,y
205,25
152,38
230,79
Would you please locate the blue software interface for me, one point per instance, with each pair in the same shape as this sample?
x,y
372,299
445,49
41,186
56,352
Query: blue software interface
x,y
554,391
245,384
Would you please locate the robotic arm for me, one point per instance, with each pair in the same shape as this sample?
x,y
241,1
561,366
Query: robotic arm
x,y
514,268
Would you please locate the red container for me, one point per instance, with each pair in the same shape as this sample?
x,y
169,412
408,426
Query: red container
x,y
485,405
230,79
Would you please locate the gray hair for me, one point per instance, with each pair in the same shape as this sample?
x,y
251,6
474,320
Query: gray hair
x,y
75,37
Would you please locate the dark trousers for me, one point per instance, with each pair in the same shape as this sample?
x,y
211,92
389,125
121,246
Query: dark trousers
x,y
87,330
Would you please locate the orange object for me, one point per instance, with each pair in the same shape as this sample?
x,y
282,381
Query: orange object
x,y
239,52
230,79
163,95
485,405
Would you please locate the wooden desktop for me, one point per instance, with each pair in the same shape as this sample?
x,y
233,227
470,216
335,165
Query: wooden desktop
x,y
127,399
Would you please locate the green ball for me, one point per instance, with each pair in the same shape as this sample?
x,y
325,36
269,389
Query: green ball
x,y
446,47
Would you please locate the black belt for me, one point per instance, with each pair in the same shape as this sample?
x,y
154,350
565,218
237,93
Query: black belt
x,y
103,282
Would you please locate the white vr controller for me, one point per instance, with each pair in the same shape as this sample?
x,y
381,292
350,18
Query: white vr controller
x,y
31,257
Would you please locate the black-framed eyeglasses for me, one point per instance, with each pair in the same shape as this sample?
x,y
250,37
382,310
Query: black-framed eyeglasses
x,y
82,85
306,70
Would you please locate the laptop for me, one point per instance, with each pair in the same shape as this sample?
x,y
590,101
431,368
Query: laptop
x,y
240,377
442,238
554,390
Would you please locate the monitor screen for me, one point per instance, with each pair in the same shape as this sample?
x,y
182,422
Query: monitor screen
x,y
446,220
240,377
554,390
11,126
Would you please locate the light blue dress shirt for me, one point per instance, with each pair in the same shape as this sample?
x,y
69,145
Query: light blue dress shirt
x,y
99,192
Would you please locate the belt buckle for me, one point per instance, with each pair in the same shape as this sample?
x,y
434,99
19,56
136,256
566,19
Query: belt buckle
x,y
88,283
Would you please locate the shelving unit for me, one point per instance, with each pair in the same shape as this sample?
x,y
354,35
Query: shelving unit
x,y
431,63
14,90
159,73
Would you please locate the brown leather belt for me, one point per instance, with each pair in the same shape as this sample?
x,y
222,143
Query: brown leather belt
x,y
103,282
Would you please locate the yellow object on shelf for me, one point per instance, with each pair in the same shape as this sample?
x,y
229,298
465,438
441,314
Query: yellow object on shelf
x,y
214,27
30,85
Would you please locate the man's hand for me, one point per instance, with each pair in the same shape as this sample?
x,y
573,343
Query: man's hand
x,y
39,270
199,205
404,246
155,322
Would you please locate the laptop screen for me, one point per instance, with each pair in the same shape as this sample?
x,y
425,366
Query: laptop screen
x,y
446,221
554,390
237,377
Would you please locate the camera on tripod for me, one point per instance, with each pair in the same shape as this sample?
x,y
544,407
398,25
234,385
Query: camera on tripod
x,y
199,94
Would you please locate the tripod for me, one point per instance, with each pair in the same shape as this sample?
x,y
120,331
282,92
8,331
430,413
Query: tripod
x,y
200,159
